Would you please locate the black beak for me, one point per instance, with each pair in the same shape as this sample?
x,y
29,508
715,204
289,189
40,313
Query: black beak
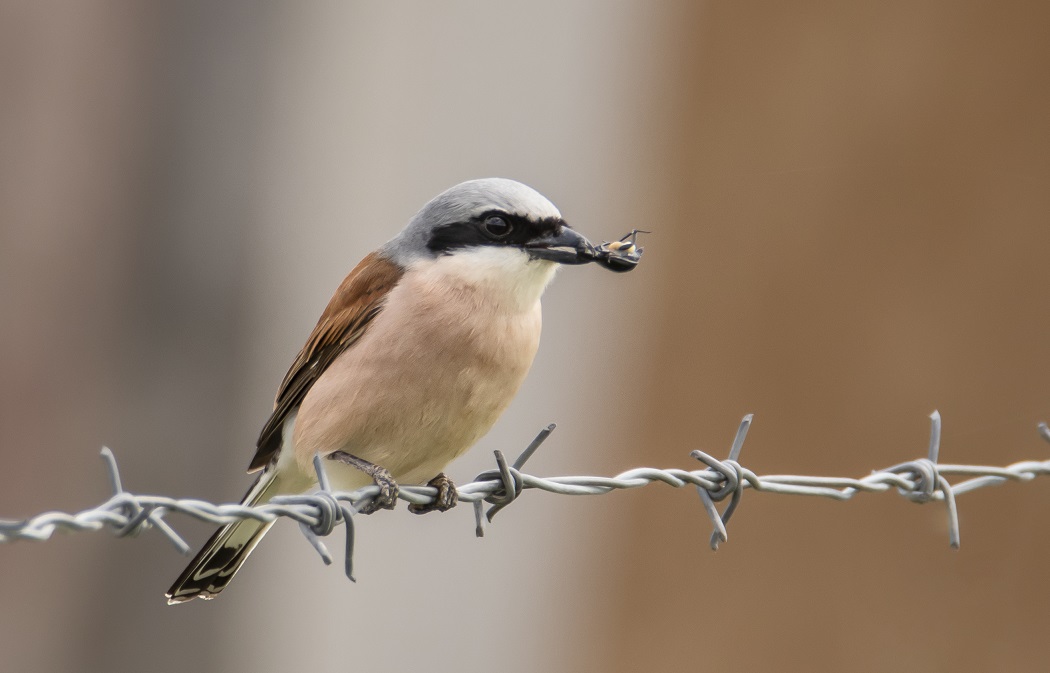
x,y
564,247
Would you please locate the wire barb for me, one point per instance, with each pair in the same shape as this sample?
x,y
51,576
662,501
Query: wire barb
x,y
508,480
139,518
729,474
331,509
925,480
320,514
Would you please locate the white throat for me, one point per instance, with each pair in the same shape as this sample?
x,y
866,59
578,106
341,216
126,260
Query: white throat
x,y
502,277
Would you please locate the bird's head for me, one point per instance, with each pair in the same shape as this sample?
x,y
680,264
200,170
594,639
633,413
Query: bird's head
x,y
490,231
487,215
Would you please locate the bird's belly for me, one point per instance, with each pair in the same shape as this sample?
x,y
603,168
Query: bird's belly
x,y
411,399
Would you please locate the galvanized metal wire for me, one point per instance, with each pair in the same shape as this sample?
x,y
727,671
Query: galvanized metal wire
x,y
319,514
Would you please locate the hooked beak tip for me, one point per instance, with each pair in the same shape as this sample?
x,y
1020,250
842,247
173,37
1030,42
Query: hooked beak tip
x,y
565,247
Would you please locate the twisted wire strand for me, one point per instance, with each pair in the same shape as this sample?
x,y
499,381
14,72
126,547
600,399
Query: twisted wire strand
x,y
320,514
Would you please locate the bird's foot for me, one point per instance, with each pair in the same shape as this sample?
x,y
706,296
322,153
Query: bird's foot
x,y
446,499
388,489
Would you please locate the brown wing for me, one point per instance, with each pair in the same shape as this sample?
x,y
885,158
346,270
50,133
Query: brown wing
x,y
358,300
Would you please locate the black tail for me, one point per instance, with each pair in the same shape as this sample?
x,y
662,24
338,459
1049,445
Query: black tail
x,y
220,559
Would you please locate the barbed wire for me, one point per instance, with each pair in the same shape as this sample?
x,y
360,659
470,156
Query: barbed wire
x,y
319,514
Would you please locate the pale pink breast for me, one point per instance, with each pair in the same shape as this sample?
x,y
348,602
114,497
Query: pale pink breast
x,y
429,377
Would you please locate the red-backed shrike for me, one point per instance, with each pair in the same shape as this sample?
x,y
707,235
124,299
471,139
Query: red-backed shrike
x,y
418,353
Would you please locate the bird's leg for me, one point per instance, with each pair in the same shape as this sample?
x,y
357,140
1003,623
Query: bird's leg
x,y
388,489
446,496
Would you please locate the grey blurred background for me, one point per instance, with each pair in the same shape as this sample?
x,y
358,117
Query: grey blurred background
x,y
850,214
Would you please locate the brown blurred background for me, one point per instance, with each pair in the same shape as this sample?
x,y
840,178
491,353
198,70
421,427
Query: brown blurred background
x,y
850,212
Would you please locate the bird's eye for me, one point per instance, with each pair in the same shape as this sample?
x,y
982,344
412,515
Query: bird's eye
x,y
496,227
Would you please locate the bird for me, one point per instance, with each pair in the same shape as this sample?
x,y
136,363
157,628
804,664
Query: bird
x,y
417,354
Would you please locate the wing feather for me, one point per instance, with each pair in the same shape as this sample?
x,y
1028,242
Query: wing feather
x,y
354,305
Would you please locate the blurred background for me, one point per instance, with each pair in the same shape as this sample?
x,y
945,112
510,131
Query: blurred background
x,y
850,212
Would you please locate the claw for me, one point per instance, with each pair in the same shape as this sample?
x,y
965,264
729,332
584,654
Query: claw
x,y
446,499
388,488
